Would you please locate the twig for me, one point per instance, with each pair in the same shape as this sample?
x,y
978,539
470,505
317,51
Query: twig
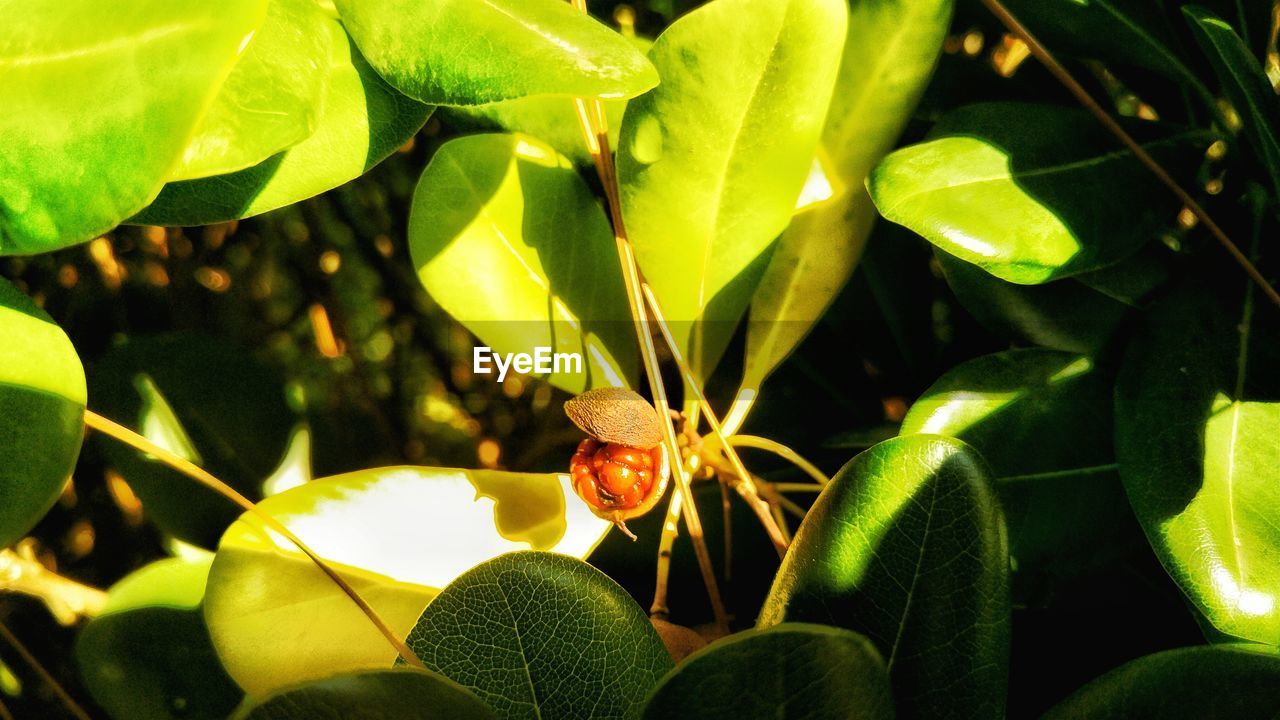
x,y
666,543
63,696
1051,63
66,599
4,712
782,451
186,467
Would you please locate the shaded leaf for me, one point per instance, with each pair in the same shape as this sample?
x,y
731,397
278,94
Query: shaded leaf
x,y
793,670
81,78
42,399
509,240
711,162
559,639
907,546
459,52
398,535
1032,193
399,694
364,120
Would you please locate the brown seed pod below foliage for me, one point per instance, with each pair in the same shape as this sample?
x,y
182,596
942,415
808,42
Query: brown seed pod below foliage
x,y
616,415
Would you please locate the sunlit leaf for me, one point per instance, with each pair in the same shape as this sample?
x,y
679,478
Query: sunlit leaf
x,y
42,398
1197,408
364,120
907,546
1032,193
99,100
509,240
398,694
147,656
205,400
889,55
712,161
271,100
461,52
1227,683
398,535
559,638
789,671
549,118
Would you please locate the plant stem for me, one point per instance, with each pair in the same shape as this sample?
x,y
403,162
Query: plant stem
x,y
670,530
191,470
66,599
786,453
4,712
63,696
1055,68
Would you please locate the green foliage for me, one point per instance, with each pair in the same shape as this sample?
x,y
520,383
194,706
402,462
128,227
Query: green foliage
x,y
400,694
561,640
907,546
457,52
792,670
42,399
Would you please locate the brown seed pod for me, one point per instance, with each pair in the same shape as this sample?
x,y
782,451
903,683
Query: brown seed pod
x,y
681,641
616,415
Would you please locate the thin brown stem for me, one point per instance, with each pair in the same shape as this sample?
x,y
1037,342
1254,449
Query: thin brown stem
x,y
45,676
191,470
1055,68
4,712
66,599
666,543
782,451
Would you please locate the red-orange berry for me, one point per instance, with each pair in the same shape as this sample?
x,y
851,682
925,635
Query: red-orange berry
x,y
612,477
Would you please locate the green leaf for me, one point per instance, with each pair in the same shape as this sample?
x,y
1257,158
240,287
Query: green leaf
x,y
99,101
1033,193
889,54
206,400
712,161
363,121
549,118
148,656
790,671
1043,420
907,546
558,639
509,240
1225,683
42,398
271,100
398,694
398,535
460,52
1245,83
1197,407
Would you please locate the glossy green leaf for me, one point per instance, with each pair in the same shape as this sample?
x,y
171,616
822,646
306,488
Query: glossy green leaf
x,y
549,118
1224,683
398,535
42,398
99,101
364,120
509,240
271,100
789,671
203,399
559,639
907,546
712,161
1197,407
1042,419
1244,82
148,656
889,54
1033,193
460,52
398,694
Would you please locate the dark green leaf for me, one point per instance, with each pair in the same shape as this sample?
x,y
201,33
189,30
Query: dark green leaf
x,y
205,400
1196,683
509,240
907,546
1197,407
42,398
558,639
461,52
147,656
99,101
1033,193
399,694
788,672
364,121
711,163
